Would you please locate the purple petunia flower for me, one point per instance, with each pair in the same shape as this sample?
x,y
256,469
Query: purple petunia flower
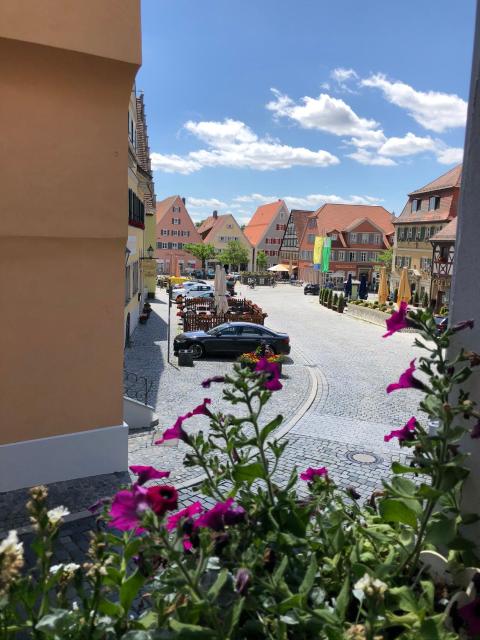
x,y
177,432
272,372
206,383
96,506
188,512
242,581
405,433
127,509
223,513
471,614
397,320
309,474
464,324
407,380
146,473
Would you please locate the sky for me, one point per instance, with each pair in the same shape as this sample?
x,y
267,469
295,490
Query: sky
x,y
311,101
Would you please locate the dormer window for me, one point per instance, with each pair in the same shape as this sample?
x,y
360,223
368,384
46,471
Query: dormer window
x,y
416,205
434,203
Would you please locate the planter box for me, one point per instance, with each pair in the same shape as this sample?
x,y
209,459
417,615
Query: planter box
x,y
185,358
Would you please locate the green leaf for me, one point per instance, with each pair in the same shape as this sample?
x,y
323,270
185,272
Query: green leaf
x,y
309,578
406,598
132,548
426,492
112,609
271,426
451,475
191,631
280,570
248,472
130,589
441,530
343,599
398,510
148,620
234,615
56,622
429,630
218,584
401,468
404,487
293,602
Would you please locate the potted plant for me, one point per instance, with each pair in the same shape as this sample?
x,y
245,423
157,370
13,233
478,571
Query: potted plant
x,y
249,360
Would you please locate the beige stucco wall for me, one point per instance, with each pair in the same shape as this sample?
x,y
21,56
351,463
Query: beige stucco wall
x,y
63,217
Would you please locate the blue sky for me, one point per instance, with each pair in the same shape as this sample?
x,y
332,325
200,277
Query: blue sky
x,y
308,100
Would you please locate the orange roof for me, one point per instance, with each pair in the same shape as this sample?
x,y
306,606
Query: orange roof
x,y
337,217
448,180
448,233
164,205
208,225
261,220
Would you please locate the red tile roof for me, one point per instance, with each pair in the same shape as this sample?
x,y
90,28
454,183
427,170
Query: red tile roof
x,y
208,226
261,220
448,233
164,205
448,180
337,217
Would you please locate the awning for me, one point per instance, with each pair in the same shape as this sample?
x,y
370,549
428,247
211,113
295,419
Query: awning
x,y
279,267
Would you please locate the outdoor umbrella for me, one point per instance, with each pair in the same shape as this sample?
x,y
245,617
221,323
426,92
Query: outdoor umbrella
x,y
220,293
348,286
404,293
363,290
382,286
278,267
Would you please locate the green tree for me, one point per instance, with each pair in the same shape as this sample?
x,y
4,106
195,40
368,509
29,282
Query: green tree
x,y
235,254
385,260
202,252
262,261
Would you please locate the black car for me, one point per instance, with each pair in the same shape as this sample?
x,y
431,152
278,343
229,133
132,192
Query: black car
x,y
312,289
231,338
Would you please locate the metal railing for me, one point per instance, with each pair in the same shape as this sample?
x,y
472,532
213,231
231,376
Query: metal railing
x,y
136,387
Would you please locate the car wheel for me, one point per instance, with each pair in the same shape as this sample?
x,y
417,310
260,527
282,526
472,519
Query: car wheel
x,y
198,350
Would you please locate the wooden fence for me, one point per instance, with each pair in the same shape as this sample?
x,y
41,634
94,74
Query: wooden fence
x,y
199,314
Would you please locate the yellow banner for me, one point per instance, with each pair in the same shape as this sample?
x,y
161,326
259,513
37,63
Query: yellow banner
x,y
317,249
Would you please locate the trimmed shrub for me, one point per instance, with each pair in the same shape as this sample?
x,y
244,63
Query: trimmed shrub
x,y
425,300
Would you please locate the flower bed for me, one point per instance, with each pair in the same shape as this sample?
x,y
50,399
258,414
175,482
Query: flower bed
x,y
262,562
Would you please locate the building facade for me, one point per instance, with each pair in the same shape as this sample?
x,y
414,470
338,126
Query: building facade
x,y
175,228
426,212
65,93
266,230
358,233
219,231
443,244
134,252
290,245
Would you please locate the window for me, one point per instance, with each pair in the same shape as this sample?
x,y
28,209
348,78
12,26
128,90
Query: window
x,y
127,285
164,245
353,237
351,256
434,203
333,256
311,238
228,331
252,331
229,226
365,238
403,261
334,236
363,256
136,210
135,278
377,238
165,232
416,205
175,210
409,233
312,223
419,233
341,256
175,232
426,264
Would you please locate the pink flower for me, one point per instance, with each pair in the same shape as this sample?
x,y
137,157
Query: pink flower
x,y
407,380
206,383
405,433
177,432
471,614
162,498
147,473
271,370
309,474
397,320
189,512
127,509
220,515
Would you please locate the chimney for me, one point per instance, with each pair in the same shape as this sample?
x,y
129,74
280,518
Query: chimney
x,y
215,214
183,200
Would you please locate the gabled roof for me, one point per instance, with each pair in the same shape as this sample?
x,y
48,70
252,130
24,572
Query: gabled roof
x,y
447,234
358,221
448,180
300,219
164,205
339,217
208,224
261,220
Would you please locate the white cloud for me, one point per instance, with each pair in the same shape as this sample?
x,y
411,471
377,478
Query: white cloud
x,y
324,113
233,144
173,163
206,202
409,145
450,155
342,75
312,201
433,110
363,156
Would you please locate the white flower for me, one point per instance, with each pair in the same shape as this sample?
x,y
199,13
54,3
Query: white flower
x,y
55,515
67,569
369,586
11,544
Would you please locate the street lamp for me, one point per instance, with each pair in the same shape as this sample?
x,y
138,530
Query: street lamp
x,y
127,255
150,251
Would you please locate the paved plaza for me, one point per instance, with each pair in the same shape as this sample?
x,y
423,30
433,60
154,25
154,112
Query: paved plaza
x,y
335,407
